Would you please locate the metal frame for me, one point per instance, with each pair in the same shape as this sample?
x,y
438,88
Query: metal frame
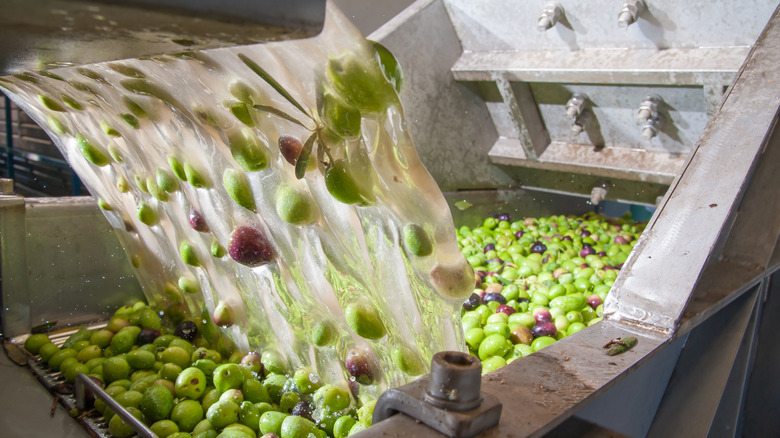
x,y
695,281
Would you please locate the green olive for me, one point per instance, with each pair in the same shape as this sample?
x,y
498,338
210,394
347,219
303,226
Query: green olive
x,y
146,214
361,82
194,177
50,103
237,186
338,115
417,241
245,149
91,152
364,320
188,254
341,184
295,207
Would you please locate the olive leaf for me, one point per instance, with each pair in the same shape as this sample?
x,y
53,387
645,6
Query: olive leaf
x,y
303,158
279,113
272,82
43,328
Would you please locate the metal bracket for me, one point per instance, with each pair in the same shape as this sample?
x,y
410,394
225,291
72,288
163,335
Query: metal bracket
x,y
448,400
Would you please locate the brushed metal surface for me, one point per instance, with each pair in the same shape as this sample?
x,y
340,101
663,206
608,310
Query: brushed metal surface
x,y
60,262
46,34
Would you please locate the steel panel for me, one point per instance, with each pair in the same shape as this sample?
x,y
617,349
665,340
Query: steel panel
x,y
681,239
594,24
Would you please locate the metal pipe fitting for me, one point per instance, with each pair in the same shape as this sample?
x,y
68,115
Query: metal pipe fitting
x,y
455,381
648,109
551,14
630,12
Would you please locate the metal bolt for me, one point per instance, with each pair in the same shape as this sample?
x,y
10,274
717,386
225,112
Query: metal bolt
x,y
455,381
630,12
575,105
648,109
651,128
579,124
551,14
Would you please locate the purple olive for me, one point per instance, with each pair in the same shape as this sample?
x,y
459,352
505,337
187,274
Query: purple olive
x,y
481,274
360,366
291,148
538,247
594,301
519,234
566,238
489,247
197,222
503,308
354,388
602,254
587,250
521,335
504,217
541,314
89,396
620,240
493,296
544,329
186,330
249,247
496,260
303,409
472,302
585,233
147,336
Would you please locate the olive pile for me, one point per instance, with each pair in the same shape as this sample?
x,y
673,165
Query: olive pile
x,y
538,280
178,385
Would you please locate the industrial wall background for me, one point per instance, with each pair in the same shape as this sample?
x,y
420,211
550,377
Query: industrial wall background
x,y
536,108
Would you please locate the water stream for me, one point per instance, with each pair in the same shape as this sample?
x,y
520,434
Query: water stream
x,y
183,153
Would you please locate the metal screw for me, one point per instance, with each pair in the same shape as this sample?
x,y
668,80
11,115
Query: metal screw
x,y
551,14
630,12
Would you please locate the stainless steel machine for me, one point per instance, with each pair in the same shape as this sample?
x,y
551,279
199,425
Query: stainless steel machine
x,y
542,107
